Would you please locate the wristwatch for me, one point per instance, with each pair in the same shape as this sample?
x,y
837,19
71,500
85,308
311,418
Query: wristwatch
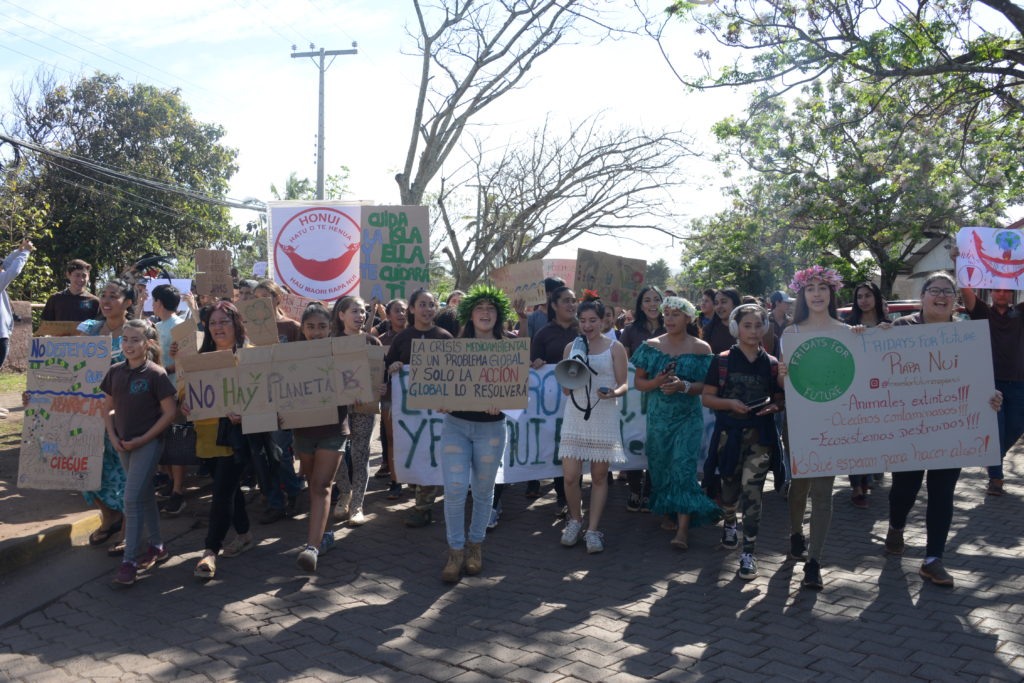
x,y
686,387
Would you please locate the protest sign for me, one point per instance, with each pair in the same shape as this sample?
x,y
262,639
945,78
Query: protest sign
x,y
259,269
293,305
183,285
58,328
990,258
186,334
616,279
522,281
314,248
213,273
531,449
909,398
375,355
469,374
300,383
395,251
62,436
564,268
259,319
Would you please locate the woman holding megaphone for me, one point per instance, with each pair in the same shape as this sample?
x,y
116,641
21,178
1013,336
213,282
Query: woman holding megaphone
x,y
590,432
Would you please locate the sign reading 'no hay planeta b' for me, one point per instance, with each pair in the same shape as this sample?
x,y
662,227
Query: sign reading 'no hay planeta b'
x,y
314,248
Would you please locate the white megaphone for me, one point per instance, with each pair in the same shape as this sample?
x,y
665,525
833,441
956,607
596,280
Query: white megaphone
x,y
571,373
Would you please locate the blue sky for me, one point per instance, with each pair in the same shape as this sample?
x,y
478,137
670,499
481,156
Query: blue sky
x,y
231,60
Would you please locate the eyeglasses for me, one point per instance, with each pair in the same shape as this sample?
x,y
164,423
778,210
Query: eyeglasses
x,y
220,323
943,291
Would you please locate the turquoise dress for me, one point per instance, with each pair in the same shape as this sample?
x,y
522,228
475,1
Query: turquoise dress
x,y
113,479
675,423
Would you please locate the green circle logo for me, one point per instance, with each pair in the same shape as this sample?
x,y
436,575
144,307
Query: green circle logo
x,y
821,369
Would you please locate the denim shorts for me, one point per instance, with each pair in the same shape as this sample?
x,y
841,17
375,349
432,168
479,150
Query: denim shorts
x,y
310,446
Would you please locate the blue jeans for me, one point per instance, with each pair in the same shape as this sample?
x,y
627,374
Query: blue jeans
x,y
470,456
283,480
140,509
1011,421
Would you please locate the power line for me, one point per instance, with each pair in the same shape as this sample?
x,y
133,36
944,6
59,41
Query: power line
x,y
262,21
41,61
288,23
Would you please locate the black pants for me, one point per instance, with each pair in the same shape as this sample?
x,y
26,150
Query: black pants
x,y
5,345
939,514
227,507
639,482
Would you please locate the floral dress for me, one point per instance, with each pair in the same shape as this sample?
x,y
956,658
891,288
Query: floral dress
x,y
113,479
675,424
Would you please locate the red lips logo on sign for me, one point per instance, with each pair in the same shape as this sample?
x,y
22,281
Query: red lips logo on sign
x,y
316,253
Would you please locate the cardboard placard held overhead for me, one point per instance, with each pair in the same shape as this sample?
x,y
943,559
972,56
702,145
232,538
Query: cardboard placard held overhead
x,y
58,328
469,374
394,252
314,247
564,268
62,436
522,281
617,280
260,323
294,306
213,273
183,285
186,334
990,258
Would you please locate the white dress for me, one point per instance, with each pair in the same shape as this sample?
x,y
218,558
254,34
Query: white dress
x,y
599,438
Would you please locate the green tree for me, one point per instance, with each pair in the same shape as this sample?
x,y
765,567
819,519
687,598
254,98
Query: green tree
x,y
658,274
135,130
18,220
335,186
777,45
857,173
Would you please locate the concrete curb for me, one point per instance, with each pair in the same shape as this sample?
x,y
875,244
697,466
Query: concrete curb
x,y
20,552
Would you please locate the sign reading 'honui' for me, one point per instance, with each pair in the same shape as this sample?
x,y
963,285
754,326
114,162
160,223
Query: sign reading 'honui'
x,y
314,248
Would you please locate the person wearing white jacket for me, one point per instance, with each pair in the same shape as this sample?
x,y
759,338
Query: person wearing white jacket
x,y
11,268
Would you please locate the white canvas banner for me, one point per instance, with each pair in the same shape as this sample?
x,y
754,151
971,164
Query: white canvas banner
x,y
912,397
531,449
990,258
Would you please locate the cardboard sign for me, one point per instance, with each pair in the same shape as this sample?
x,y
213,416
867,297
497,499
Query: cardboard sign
x,y
616,279
260,321
375,355
564,268
186,334
213,273
183,285
395,251
299,384
58,328
990,258
909,398
62,436
294,306
522,281
531,449
469,374
314,248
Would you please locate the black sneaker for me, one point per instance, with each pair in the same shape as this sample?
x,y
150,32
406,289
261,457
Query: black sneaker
x,y
730,538
533,489
894,544
633,502
174,505
812,576
748,567
797,547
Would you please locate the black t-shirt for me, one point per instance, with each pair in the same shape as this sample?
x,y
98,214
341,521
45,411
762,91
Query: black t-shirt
x,y
745,380
401,345
549,344
67,306
717,335
137,393
1007,333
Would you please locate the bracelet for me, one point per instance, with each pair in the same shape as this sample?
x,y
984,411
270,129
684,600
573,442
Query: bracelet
x,y
686,387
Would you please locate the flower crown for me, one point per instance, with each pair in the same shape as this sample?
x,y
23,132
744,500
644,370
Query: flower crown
x,y
680,304
484,293
828,275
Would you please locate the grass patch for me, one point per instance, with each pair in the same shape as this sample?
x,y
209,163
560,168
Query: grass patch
x,y
12,381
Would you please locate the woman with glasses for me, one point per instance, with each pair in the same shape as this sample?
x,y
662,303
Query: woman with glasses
x,y
938,304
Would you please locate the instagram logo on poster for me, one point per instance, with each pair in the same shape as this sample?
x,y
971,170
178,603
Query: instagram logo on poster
x,y
876,383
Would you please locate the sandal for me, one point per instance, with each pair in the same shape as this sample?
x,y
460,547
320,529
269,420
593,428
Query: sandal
x,y
116,550
101,535
679,544
207,567
237,546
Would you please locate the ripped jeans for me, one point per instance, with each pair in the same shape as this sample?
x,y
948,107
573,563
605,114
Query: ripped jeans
x,y
470,455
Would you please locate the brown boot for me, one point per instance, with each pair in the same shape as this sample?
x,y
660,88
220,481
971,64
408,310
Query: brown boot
x,y
453,568
474,559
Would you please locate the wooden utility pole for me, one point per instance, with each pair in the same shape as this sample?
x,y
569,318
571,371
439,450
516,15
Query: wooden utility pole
x,y
322,54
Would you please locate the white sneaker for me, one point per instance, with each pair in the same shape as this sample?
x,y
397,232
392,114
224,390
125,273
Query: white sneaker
x,y
356,518
594,541
495,515
571,533
341,507
307,559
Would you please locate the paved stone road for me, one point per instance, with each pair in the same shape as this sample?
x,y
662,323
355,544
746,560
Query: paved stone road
x,y
539,613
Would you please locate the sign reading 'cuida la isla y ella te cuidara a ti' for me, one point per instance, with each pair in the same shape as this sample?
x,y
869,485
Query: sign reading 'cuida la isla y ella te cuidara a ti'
x,y
325,250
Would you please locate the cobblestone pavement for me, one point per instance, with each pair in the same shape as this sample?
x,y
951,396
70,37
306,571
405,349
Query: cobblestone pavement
x,y
539,612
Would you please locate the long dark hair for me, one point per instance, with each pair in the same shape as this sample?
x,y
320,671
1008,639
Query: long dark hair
x,y
856,314
412,304
552,298
639,317
340,306
126,291
236,319
596,305
801,312
716,321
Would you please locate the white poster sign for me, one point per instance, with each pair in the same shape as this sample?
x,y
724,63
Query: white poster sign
x,y
912,397
990,258
314,248
531,449
183,286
